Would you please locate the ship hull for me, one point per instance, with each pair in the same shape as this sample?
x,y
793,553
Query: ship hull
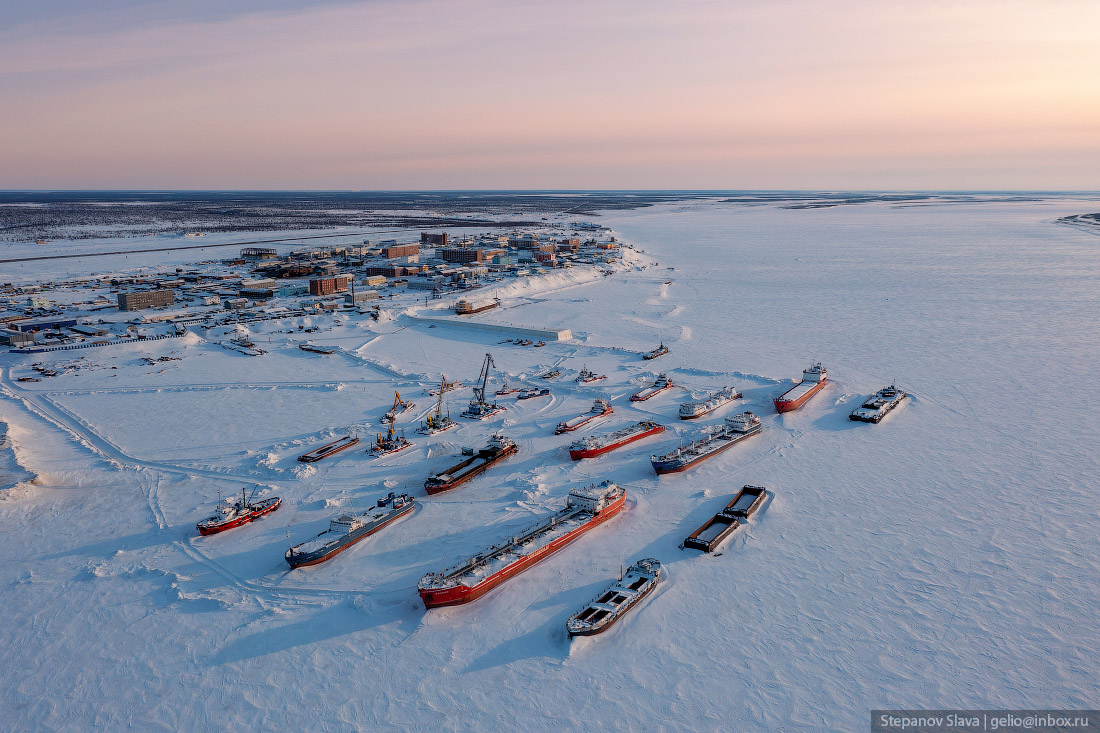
x,y
470,473
577,455
678,466
698,415
648,393
786,405
241,520
571,427
483,415
462,594
622,611
316,558
327,450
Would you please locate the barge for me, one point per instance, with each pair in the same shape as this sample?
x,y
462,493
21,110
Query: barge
x,y
716,529
734,429
468,307
813,381
640,580
498,449
585,509
876,407
600,408
659,385
317,349
745,503
348,529
531,392
594,445
697,408
713,532
329,449
230,514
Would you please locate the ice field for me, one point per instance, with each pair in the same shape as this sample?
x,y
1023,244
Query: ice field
x,y
948,557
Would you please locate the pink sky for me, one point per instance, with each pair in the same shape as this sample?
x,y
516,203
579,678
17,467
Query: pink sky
x,y
431,95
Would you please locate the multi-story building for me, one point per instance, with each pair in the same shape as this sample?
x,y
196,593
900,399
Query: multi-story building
x,y
145,299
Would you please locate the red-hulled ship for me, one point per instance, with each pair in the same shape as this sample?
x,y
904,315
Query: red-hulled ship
x,y
230,514
468,581
813,381
597,445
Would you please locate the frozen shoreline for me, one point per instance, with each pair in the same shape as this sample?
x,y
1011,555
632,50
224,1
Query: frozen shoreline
x,y
942,557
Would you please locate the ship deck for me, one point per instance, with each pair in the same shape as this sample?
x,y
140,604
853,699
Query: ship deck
x,y
497,558
798,391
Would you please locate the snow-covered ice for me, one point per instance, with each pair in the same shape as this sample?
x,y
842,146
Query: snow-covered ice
x,y
946,558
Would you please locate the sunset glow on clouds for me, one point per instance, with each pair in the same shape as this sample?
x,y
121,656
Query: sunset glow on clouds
x,y
430,95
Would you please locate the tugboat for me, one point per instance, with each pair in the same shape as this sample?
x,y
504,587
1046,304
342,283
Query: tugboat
x,y
479,408
697,408
600,408
329,449
813,381
659,351
435,421
230,514
540,344
593,446
400,406
660,385
585,377
505,389
473,578
640,580
529,392
347,529
389,442
498,449
735,429
875,407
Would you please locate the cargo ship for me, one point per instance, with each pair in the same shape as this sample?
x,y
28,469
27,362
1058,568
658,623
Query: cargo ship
x,y
600,408
875,407
230,514
530,392
329,449
347,529
585,508
735,429
597,445
813,381
498,449
697,408
467,307
550,374
660,385
659,351
640,580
